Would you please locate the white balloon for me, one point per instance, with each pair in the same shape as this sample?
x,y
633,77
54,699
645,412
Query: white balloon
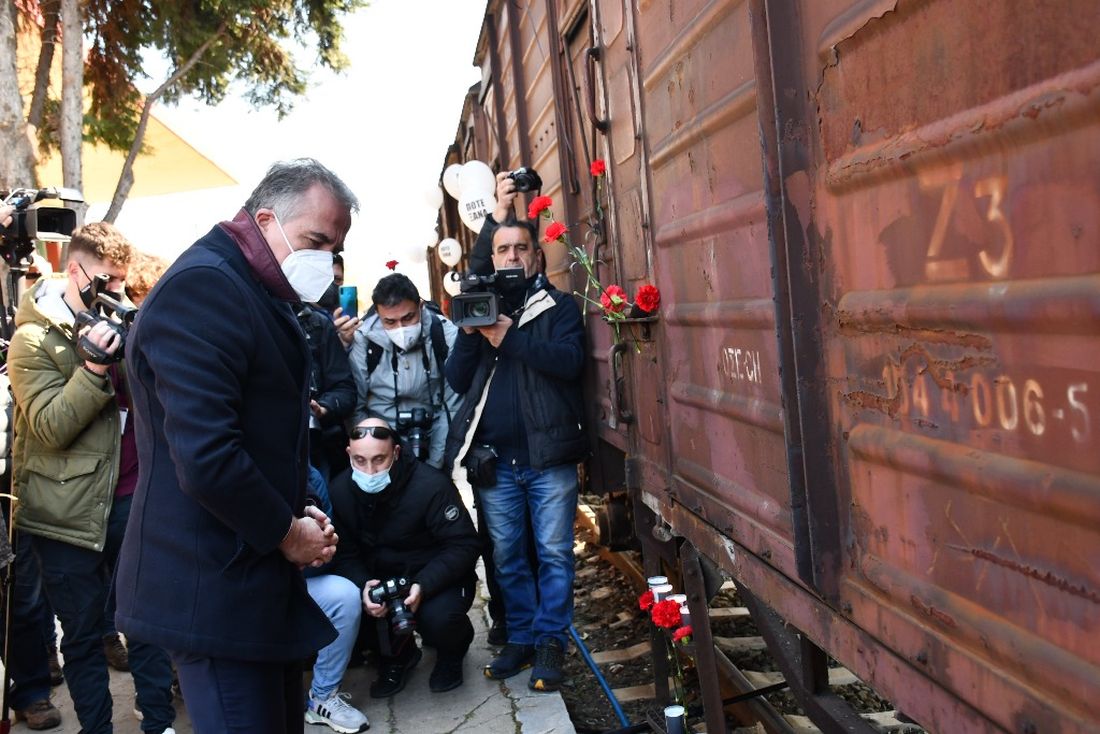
x,y
472,210
450,180
476,179
450,252
451,283
433,197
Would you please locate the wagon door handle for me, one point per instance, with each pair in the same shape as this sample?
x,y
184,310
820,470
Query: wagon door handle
x,y
591,57
618,413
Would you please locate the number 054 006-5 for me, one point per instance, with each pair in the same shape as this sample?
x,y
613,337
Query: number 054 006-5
x,y
999,401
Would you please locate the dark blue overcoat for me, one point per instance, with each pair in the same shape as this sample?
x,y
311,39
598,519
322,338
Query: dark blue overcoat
x,y
218,372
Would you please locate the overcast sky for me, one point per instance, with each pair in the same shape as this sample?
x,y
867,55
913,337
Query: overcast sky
x,y
383,126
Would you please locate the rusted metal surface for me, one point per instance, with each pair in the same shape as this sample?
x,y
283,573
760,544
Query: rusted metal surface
x,y
872,392
956,194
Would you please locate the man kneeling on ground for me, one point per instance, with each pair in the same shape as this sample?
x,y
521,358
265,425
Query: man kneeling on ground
x,y
409,546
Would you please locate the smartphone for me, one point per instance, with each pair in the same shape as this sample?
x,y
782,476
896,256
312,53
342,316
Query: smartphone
x,y
349,300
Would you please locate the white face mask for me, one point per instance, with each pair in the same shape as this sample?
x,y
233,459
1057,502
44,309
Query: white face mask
x,y
309,271
404,337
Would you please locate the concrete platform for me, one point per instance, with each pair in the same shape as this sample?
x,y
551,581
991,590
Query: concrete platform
x,y
479,706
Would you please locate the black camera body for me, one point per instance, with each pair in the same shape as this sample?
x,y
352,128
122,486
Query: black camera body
x,y
416,426
480,303
393,591
526,179
53,223
109,309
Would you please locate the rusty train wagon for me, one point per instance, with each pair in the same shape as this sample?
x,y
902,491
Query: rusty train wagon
x,y
871,395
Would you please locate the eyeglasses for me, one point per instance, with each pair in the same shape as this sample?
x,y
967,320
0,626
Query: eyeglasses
x,y
380,432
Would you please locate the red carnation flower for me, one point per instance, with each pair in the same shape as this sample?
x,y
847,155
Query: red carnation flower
x,y
682,634
648,298
555,231
538,205
598,167
645,601
392,265
613,299
666,614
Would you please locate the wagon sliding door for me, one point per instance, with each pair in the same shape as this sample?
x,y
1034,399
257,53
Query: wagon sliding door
x,y
948,204
711,445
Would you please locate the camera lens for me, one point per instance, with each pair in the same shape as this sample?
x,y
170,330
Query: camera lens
x,y
479,309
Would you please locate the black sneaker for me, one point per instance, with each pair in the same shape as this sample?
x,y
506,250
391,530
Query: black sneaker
x,y
512,659
549,657
498,634
392,673
446,675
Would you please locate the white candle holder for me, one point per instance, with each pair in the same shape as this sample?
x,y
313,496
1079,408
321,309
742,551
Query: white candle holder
x,y
661,591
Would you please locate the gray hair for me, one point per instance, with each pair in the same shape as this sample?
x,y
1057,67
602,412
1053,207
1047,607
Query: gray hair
x,y
285,182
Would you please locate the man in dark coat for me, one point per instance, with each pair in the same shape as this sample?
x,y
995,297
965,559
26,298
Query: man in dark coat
x,y
219,530
401,518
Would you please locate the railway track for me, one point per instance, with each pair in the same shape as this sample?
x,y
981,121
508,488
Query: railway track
x,y
744,664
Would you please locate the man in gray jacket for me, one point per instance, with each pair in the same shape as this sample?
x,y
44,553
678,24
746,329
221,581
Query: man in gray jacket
x,y
397,360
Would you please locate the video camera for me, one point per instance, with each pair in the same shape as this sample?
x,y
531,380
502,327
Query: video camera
x,y
394,591
526,179
480,303
416,425
106,307
30,223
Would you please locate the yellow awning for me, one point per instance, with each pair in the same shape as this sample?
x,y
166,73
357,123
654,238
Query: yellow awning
x,y
169,165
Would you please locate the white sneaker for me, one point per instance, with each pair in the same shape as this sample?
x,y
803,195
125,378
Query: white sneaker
x,y
335,711
169,730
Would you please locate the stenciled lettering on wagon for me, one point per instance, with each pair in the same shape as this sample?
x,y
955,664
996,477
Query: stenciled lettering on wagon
x,y
995,257
1056,409
741,364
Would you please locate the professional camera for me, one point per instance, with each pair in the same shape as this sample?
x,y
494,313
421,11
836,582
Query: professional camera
x,y
53,223
480,303
394,591
526,179
416,425
107,307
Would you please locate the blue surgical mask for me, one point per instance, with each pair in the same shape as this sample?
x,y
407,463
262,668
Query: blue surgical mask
x,y
370,483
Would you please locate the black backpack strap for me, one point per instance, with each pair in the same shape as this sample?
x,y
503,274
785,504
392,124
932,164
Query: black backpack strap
x,y
439,348
374,356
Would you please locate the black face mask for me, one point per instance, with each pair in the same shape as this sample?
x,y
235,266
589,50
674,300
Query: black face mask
x,y
87,295
330,299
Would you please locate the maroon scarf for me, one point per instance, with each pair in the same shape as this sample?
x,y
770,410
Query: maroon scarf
x,y
245,232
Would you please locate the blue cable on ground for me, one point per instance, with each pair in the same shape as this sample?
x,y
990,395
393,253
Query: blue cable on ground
x,y
599,676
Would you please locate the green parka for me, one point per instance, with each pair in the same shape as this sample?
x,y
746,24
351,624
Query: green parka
x,y
67,433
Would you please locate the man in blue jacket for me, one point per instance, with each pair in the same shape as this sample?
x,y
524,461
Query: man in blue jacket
x,y
521,382
219,531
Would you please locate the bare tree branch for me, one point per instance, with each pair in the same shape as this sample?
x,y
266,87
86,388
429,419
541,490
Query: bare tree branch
x,y
126,176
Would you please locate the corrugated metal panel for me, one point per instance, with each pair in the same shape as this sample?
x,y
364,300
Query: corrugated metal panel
x,y
958,203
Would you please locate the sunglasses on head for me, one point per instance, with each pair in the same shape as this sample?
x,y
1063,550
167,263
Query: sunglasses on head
x,y
380,432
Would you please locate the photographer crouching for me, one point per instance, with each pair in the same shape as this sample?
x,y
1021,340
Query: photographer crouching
x,y
407,552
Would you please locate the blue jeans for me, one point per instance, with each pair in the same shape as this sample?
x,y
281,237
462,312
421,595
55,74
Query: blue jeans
x,y
535,608
77,581
342,603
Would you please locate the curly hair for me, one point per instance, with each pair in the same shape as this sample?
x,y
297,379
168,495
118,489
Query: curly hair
x,y
102,241
145,270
